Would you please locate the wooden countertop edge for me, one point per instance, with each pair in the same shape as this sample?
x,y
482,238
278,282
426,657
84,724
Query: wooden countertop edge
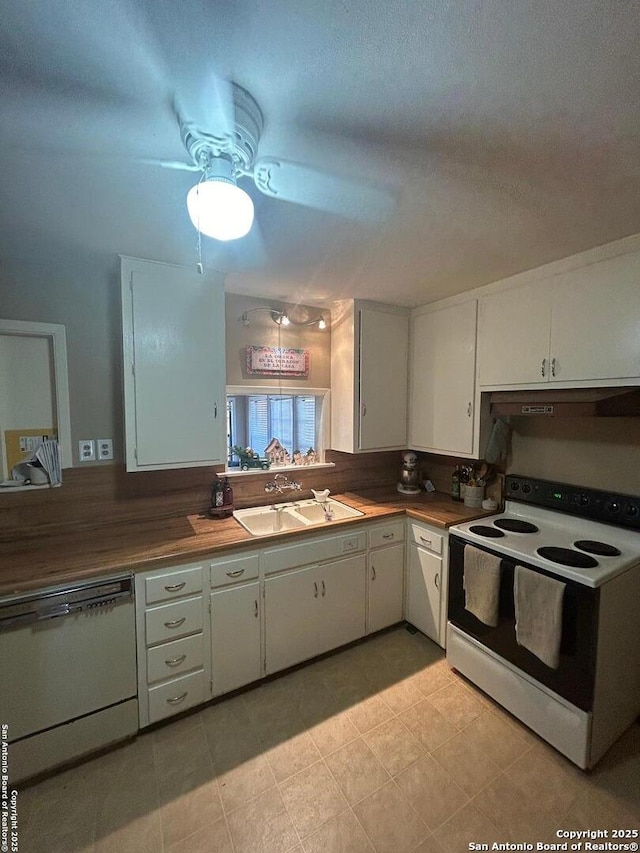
x,y
55,560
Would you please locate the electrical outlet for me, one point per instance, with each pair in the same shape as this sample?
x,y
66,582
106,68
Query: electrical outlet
x,y
86,450
105,448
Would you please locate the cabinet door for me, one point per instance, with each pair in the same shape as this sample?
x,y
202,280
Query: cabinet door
x,y
291,618
235,637
423,597
386,572
384,341
174,366
513,335
594,327
442,379
342,602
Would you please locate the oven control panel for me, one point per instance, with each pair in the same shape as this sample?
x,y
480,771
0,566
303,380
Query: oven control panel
x,y
623,510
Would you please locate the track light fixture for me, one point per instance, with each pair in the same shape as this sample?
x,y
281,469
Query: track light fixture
x,y
282,318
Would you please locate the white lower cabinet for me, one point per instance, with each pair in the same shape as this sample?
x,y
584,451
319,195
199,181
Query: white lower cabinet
x,y
172,637
291,616
209,628
385,575
312,610
235,637
427,579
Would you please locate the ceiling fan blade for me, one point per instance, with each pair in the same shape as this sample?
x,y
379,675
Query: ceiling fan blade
x,y
349,197
169,164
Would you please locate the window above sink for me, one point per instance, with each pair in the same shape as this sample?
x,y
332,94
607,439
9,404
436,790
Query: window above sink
x,y
297,418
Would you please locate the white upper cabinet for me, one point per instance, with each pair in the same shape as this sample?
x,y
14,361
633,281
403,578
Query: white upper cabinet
x,y
595,321
514,328
174,366
442,365
575,327
369,358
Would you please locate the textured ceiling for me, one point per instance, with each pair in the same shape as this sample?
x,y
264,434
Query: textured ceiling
x,y
510,133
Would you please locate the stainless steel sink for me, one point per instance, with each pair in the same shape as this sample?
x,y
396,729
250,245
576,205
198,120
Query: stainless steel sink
x,y
261,521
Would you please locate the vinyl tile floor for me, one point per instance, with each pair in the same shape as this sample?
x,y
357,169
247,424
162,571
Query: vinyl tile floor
x,y
378,748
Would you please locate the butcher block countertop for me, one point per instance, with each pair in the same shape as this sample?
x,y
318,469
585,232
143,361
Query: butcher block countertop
x,y
42,561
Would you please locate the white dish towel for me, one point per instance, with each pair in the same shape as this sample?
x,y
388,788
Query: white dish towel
x,y
481,584
538,601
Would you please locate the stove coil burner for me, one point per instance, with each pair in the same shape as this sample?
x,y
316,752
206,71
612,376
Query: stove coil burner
x,y
514,525
567,557
599,548
485,530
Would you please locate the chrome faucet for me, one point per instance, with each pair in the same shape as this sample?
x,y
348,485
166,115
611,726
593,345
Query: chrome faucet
x,y
280,484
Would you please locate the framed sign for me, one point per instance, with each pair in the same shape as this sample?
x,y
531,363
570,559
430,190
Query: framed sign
x,y
277,361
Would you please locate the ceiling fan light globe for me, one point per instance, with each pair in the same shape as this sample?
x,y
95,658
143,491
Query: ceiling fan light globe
x,y
220,209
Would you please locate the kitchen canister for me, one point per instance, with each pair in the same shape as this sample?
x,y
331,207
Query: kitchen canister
x,y
473,496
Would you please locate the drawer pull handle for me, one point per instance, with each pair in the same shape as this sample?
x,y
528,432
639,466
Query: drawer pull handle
x,y
176,661
256,608
176,623
235,574
315,589
426,541
174,587
176,700
437,581
324,590
373,573
388,535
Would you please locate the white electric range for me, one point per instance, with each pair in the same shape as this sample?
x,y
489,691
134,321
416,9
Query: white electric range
x,y
588,542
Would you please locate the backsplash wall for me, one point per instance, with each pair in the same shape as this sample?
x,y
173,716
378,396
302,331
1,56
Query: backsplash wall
x,y
598,453
104,495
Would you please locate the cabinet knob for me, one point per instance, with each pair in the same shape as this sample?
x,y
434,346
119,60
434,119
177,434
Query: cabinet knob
x,y
543,367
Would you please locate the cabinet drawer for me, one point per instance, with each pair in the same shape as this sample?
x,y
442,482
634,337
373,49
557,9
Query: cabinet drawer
x,y
175,696
174,658
386,534
228,570
170,621
426,537
173,584
313,551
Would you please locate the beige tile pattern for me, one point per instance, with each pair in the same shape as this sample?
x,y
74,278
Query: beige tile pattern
x,y
378,748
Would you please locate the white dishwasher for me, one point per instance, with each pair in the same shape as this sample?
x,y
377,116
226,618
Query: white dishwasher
x,y
69,681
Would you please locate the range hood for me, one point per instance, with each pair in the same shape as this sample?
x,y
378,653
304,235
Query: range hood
x,y
568,402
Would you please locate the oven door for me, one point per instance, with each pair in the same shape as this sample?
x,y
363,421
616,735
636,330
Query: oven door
x,y
574,678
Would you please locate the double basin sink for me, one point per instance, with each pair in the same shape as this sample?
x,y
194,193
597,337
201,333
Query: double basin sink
x,y
263,520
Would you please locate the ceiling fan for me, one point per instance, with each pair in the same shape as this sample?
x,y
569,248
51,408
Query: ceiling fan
x,y
221,209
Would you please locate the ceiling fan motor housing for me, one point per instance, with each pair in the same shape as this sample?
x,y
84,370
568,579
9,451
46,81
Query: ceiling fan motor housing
x,y
241,146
